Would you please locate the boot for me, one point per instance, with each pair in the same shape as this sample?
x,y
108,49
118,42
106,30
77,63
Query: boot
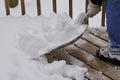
x,y
110,55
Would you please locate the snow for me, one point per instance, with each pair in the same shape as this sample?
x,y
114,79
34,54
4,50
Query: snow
x,y
25,38
24,41
43,37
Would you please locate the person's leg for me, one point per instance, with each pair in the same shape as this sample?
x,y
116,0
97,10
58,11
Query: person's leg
x,y
113,22
112,53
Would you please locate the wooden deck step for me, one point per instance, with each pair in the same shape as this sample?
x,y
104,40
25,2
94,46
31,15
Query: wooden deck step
x,y
85,50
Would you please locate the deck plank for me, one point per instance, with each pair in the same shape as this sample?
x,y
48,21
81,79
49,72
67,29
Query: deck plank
x,y
92,74
93,62
88,47
91,46
85,50
94,40
99,33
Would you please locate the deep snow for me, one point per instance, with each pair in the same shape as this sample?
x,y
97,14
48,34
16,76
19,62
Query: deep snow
x,y
25,38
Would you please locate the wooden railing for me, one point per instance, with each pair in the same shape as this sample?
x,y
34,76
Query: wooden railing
x,y
38,7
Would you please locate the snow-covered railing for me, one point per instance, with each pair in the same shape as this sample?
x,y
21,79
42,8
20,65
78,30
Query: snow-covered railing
x,y
38,7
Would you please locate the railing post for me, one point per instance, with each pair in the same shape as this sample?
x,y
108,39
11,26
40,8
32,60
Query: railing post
x,y
23,7
86,4
70,8
54,6
7,7
38,7
103,16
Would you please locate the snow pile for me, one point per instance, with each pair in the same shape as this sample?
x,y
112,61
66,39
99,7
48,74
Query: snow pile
x,y
23,38
49,33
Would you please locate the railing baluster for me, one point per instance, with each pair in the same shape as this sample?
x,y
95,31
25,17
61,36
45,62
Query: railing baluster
x,y
22,7
38,7
86,4
70,8
54,6
103,16
38,3
7,7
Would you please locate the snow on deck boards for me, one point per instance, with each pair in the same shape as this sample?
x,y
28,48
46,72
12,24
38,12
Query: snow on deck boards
x,y
84,50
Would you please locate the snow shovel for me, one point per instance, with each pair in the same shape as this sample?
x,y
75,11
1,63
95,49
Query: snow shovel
x,y
81,20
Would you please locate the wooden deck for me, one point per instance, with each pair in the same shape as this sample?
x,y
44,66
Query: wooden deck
x,y
84,50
